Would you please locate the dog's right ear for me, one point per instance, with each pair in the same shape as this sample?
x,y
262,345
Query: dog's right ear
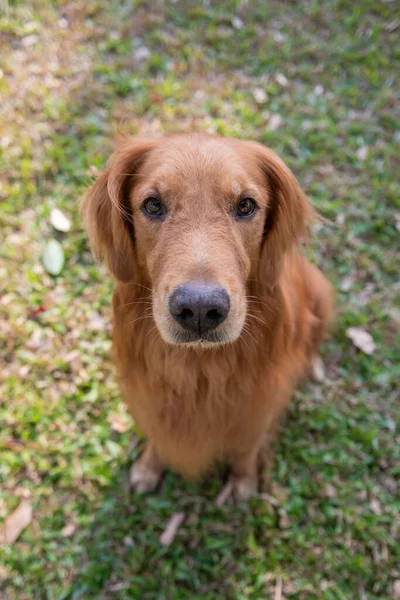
x,y
107,213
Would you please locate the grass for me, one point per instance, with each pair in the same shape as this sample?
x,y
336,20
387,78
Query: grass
x,y
72,74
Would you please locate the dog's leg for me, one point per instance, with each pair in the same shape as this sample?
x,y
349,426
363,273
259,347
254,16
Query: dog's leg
x,y
147,471
244,475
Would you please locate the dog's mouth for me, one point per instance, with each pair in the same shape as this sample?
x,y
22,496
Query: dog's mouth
x,y
199,340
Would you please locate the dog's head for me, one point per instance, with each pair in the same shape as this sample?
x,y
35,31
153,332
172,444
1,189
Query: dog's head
x,y
195,218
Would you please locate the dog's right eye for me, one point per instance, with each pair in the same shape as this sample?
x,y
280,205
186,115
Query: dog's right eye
x,y
153,207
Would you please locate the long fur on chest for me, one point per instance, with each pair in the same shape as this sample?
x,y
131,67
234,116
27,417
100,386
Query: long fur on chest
x,y
201,405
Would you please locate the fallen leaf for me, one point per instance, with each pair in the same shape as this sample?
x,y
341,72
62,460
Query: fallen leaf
x,y
224,494
24,370
141,53
59,220
362,153
396,589
278,492
361,339
375,506
281,79
284,521
16,522
340,219
35,312
347,283
156,98
128,541
278,589
74,361
237,23
275,122
171,529
259,95
118,587
394,316
29,40
329,491
119,423
96,322
53,257
68,529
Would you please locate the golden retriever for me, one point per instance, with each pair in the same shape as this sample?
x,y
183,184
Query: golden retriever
x,y
217,313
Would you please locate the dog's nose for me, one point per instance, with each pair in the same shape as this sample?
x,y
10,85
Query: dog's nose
x,y
199,308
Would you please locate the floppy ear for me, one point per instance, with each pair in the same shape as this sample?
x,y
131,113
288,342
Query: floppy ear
x,y
288,213
106,209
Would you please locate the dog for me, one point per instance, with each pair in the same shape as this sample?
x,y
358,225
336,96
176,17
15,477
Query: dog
x,y
217,313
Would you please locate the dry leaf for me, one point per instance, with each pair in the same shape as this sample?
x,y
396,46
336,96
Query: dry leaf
x,y
275,122
119,423
396,589
361,339
59,220
278,492
237,23
278,589
224,494
96,322
394,316
329,491
68,529
74,361
117,587
141,53
260,95
362,153
375,506
340,219
281,79
284,521
172,528
16,523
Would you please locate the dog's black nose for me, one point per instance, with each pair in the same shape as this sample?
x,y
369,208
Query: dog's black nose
x,y
199,308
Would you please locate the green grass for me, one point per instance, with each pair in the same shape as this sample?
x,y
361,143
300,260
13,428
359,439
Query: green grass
x,y
74,73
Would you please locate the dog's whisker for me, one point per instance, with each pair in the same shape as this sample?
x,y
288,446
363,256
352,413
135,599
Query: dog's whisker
x,y
141,285
148,303
141,318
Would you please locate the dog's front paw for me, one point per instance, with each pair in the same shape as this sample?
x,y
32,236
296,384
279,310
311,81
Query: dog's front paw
x,y
243,487
143,479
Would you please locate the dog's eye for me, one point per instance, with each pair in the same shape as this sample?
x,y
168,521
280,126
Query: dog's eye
x,y
153,207
245,208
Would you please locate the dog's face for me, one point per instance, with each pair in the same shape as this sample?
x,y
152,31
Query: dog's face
x,y
192,217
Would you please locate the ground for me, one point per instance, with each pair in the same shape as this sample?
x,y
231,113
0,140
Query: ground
x,y
316,81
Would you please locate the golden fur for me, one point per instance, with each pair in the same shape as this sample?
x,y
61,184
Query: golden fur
x,y
202,402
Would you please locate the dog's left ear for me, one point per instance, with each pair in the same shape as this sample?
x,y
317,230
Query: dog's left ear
x,y
288,217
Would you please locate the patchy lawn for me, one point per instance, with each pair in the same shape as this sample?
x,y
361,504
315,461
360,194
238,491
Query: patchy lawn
x,y
318,82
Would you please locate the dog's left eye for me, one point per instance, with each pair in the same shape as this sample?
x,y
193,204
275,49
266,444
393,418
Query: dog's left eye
x,y
153,207
245,208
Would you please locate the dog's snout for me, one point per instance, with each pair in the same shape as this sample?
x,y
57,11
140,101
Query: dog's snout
x,y
199,308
